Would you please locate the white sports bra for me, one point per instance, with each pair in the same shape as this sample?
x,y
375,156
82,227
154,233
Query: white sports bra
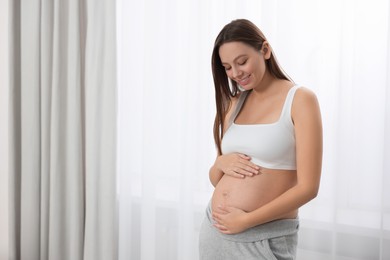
x,y
269,145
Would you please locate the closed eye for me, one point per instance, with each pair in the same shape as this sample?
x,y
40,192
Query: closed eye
x,y
242,63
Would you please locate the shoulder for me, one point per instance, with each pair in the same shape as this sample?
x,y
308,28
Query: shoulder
x,y
305,94
231,108
233,102
305,104
235,99
304,98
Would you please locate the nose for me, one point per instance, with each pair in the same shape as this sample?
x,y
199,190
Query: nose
x,y
236,72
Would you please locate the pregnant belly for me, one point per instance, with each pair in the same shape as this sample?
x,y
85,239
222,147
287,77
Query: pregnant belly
x,y
251,193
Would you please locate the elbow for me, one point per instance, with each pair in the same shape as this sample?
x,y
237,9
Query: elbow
x,y
213,182
308,193
311,193
214,176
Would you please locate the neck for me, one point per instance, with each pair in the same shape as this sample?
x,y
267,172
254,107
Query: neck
x,y
265,85
269,86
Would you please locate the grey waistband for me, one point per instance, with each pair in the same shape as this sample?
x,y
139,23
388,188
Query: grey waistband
x,y
277,228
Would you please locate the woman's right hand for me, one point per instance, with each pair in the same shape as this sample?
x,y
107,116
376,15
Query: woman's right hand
x,y
236,165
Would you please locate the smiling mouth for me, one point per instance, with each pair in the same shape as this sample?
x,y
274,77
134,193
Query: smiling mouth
x,y
244,81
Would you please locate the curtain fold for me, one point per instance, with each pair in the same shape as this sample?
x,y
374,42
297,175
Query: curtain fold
x,y
63,130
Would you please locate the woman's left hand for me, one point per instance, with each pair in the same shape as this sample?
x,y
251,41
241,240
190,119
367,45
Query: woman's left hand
x,y
230,220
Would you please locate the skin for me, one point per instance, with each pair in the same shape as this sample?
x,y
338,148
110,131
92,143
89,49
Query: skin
x,y
247,195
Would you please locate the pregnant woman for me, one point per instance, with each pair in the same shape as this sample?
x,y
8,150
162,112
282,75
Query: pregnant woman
x,y
268,134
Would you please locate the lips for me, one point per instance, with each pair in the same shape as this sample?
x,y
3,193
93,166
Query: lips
x,y
244,81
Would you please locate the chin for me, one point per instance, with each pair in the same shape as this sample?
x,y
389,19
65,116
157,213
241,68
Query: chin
x,y
244,88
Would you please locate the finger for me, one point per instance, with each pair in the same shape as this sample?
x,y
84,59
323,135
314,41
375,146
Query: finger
x,y
223,209
222,228
251,168
216,217
250,164
220,211
243,171
236,174
226,231
229,209
244,156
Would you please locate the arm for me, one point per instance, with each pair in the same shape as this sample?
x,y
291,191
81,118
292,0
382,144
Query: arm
x,y
308,133
234,164
215,174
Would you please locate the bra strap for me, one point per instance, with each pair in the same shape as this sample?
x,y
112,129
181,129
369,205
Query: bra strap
x,y
286,112
237,109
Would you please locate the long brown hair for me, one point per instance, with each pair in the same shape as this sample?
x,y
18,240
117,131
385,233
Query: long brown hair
x,y
240,30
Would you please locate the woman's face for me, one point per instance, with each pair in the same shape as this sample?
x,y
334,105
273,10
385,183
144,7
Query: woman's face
x,y
244,64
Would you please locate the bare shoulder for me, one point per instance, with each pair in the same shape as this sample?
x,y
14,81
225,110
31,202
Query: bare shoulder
x,y
304,94
304,98
233,102
305,104
231,108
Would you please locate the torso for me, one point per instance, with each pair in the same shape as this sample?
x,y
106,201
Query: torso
x,y
251,193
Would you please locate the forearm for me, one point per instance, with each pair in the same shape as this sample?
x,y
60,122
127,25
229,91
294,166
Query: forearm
x,y
215,175
289,201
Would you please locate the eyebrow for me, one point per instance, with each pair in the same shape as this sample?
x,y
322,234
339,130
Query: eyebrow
x,y
236,58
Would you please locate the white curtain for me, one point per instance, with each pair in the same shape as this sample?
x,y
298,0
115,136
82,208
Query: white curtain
x,y
4,79
62,130
339,49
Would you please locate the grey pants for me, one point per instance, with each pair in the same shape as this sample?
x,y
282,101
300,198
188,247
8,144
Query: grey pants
x,y
276,240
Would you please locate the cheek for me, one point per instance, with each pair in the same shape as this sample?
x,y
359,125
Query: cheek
x,y
249,68
261,66
229,74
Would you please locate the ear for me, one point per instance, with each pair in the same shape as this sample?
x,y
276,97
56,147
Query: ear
x,y
266,50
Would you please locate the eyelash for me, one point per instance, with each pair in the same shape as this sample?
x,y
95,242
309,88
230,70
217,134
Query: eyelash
x,y
243,63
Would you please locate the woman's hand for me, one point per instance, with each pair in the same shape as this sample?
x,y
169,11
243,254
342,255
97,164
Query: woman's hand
x,y
230,220
237,165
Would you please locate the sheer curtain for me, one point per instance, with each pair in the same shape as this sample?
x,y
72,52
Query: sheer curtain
x,y
339,49
4,79
62,130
